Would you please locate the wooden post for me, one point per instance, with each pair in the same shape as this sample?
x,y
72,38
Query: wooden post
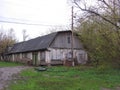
x,y
72,48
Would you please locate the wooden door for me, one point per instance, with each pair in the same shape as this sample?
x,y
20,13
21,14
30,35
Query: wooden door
x,y
35,58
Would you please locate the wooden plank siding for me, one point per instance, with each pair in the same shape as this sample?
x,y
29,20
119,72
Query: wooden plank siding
x,y
53,56
62,54
62,41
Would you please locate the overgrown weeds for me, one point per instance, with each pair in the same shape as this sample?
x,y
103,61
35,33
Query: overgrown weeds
x,y
68,78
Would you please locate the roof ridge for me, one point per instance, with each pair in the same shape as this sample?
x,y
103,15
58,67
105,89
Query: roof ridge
x,y
53,39
38,43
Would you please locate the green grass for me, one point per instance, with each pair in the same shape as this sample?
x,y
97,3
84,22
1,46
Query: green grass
x,y
9,64
67,78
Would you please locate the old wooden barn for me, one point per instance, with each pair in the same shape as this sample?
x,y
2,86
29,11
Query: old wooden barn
x,y
53,48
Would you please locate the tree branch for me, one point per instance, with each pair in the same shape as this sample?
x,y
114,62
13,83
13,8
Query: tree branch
x,y
93,12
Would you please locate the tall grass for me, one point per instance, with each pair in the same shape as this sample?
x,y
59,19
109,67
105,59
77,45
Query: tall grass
x,y
67,78
9,64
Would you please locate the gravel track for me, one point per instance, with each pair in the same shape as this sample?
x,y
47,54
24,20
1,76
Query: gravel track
x,y
6,74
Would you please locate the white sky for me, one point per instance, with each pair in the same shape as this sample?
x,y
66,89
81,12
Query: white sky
x,y
44,12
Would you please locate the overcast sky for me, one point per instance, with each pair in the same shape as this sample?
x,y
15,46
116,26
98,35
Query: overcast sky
x,y
42,14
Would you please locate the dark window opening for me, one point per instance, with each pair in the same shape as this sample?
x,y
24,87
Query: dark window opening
x,y
68,39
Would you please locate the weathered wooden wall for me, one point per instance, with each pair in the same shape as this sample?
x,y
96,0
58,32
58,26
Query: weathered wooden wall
x,y
59,50
64,54
62,41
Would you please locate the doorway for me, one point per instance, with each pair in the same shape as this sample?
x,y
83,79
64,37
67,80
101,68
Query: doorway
x,y
35,58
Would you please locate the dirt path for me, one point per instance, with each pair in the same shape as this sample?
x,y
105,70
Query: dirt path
x,y
117,88
6,74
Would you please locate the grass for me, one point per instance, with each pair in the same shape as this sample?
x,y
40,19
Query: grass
x,y
9,64
67,78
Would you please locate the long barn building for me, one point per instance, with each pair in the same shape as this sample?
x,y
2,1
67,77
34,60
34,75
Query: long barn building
x,y
53,48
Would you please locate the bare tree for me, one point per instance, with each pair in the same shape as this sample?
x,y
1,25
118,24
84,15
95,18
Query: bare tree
x,y
6,40
107,10
101,8
25,36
